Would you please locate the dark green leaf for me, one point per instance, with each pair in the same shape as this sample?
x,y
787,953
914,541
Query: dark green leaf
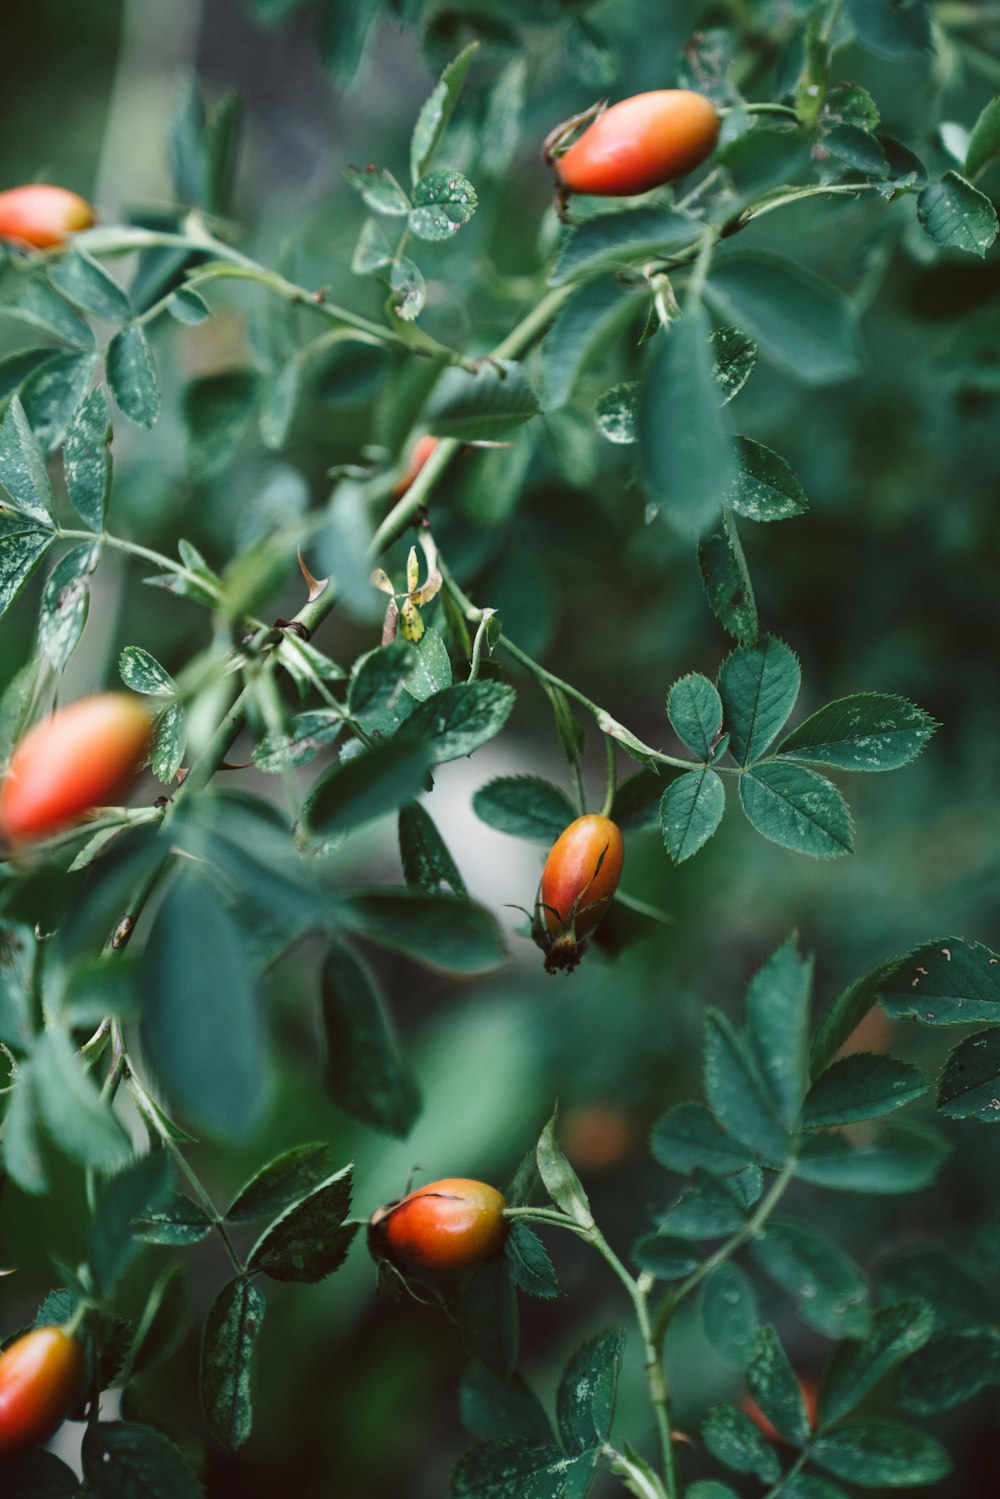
x,y
857,148
379,189
202,1029
219,411
735,358
427,863
636,807
366,1073
87,459
956,1294
798,809
23,1149
892,29
131,376
136,1191
690,812
846,1013
665,1258
179,1221
487,1315
584,328
736,1092
512,1469
729,1313
956,214
71,1109
777,1027
377,678
496,1408
52,396
881,1454
458,720
480,407
870,731
758,685
225,1373
86,283
828,1288
344,26
687,1136
984,142
286,1179
443,931
708,1488
732,1437
64,606
865,1085
22,467
802,324
776,1389
726,579
37,1475
617,413
309,1239
903,1159
525,807
359,790
432,121
857,1365
123,1460
686,451
612,239
765,487
695,710
950,1369
585,1400
948,982
30,299
969,1087
530,1265
308,734
709,1208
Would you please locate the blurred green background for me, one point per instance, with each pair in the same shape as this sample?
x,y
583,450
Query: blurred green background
x,y
890,583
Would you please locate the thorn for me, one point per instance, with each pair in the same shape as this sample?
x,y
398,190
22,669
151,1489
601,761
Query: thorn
x,y
315,585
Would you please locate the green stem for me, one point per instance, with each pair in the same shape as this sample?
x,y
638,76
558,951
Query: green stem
x,y
796,1467
609,795
167,564
642,1481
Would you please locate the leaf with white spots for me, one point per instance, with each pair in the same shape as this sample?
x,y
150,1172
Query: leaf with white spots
x,y
225,1373
442,203
309,1240
970,1082
585,1401
868,731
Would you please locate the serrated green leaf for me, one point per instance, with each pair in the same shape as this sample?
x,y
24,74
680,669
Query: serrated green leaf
x,y
29,298
225,1372
690,812
765,487
524,807
776,1389
758,686
87,459
777,1027
442,202
366,1073
798,809
432,121
857,148
862,1086
307,735
736,1092
457,720
869,731
21,550
619,238
729,1313
308,1240
53,394
494,1408
956,214
284,1180
515,1469
735,356
444,931
584,328
427,863
688,1136
90,286
482,406
948,982
731,1436
709,1208
131,376
857,1365
829,1290
686,452
695,711
903,1158
881,1454
143,673
969,1087
585,1400
180,1220
561,1181
726,579
124,1460
530,1266
487,1315
359,790
138,1190
65,601
22,467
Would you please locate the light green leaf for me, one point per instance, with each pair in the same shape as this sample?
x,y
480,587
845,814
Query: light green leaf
x,y
442,203
21,549
143,673
380,190
434,115
617,413
22,467
65,601
87,283
53,394
735,358
131,376
561,1181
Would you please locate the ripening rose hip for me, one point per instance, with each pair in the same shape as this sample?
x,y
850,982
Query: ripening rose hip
x,y
447,1225
41,215
419,454
80,758
640,143
580,877
40,1379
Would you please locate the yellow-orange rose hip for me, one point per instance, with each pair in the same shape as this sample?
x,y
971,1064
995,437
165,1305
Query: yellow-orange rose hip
x,y
41,215
40,1378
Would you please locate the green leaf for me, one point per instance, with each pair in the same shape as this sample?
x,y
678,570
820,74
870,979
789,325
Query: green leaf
x,y
828,1288
802,324
219,411
446,932
513,1469
765,487
636,806
846,1013
487,1315
707,1209
137,1190
87,459
695,711
969,1087
857,148
380,190
777,1027
377,678
708,1488
869,731
188,307
308,1240
735,358
948,982
344,27
892,30
37,1474
530,1266
143,673
52,395
733,1438
432,121
459,719
366,1073
613,239
617,413
729,1313
736,1092
956,214
726,579
123,1460
955,1293
179,1221
758,685
495,1408
408,289
286,1179
74,1114
984,142
561,1181
585,1400
664,1257
798,809
525,807
857,1365
30,299
685,448
442,203
427,863
952,1368
169,743
86,283
359,790
23,1147
483,406
225,1372
22,467
862,1086
201,1025
688,1136
307,735
904,1158
776,1389
372,251
690,812
21,550
881,1454
808,1486
585,327
65,602
131,376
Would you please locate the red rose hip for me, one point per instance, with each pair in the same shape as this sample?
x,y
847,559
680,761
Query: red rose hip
x,y
640,143
40,1378
41,215
447,1225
